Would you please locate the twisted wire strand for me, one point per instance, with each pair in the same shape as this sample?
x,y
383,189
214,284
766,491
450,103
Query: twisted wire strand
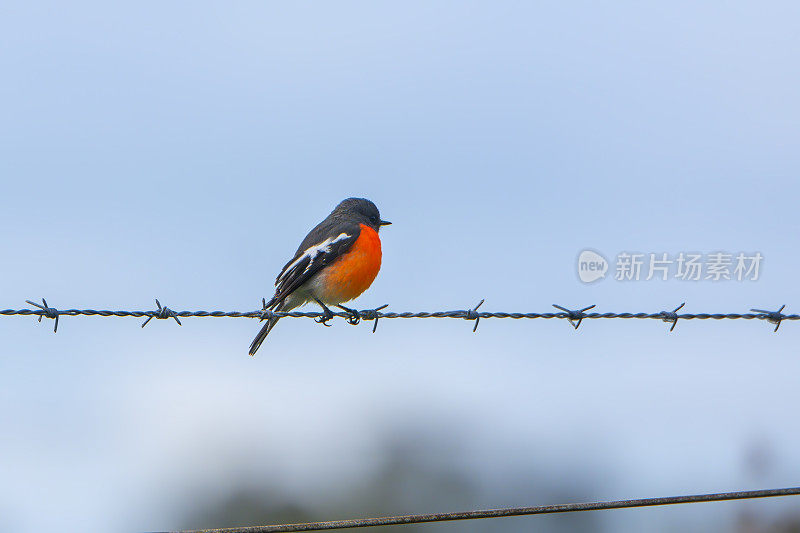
x,y
498,513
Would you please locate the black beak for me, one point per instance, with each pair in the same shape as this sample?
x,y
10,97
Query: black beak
x,y
385,223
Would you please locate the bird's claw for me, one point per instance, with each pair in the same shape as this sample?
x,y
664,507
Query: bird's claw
x,y
353,316
327,315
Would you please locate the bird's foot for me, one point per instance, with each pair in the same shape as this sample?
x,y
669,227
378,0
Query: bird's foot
x,y
354,316
327,315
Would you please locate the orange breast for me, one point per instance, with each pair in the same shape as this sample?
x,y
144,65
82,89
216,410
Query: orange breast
x,y
353,273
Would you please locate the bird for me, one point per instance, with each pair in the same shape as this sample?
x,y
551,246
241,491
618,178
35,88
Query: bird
x,y
336,262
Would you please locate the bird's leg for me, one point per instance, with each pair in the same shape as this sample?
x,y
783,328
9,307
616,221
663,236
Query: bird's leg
x,y
327,314
355,316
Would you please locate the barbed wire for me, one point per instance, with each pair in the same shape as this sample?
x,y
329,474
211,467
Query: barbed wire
x,y
354,316
499,513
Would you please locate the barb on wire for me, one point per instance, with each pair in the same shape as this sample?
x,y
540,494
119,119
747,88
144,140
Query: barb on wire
x,y
773,316
373,314
49,312
575,317
499,513
353,316
162,313
672,316
473,314
265,313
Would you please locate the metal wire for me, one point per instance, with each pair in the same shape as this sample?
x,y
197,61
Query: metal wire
x,y
498,513
353,316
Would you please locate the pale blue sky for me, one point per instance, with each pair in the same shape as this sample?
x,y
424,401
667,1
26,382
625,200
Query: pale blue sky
x,y
181,151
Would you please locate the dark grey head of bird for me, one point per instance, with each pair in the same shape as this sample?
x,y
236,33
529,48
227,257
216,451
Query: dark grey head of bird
x,y
362,211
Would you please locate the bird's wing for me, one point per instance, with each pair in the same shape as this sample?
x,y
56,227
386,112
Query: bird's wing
x,y
323,245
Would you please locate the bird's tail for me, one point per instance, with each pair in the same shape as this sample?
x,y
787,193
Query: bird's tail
x,y
265,329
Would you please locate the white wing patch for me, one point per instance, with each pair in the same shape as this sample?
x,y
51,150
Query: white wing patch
x,y
311,253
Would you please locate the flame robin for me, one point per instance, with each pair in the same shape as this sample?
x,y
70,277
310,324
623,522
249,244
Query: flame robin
x,y
337,261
